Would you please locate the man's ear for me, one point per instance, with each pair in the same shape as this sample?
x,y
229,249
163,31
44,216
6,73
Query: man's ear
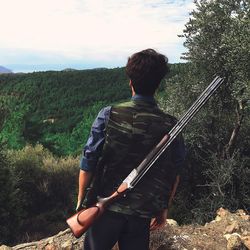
x,y
132,88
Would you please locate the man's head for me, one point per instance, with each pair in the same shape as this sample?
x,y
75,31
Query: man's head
x,y
146,69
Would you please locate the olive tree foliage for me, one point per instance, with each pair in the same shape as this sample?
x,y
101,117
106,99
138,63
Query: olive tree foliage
x,y
218,139
218,42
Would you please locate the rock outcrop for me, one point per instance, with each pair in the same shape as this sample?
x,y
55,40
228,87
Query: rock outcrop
x,y
228,231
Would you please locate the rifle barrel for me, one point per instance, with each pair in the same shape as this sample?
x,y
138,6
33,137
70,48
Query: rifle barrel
x,y
136,175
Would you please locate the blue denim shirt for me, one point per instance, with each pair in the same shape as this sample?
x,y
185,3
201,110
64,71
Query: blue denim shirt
x,y
93,148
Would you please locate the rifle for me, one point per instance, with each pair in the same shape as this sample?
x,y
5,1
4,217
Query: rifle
x,y
81,221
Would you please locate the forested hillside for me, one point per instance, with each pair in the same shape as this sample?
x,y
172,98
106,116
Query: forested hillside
x,y
57,108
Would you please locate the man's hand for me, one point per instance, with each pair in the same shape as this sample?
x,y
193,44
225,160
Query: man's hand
x,y
79,205
159,221
84,180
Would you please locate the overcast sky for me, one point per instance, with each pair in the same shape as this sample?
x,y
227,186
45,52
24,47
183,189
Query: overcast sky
x,y
58,34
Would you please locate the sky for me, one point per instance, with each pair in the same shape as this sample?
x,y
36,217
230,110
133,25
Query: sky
x,y
38,35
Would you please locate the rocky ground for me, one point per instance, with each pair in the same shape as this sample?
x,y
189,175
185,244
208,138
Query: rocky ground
x,y
229,231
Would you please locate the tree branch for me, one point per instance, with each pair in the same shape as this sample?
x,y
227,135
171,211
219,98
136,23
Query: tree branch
x,y
240,115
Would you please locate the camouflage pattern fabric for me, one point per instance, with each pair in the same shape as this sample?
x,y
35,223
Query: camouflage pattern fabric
x,y
134,128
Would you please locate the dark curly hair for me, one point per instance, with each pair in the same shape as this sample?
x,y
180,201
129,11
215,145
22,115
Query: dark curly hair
x,y
146,69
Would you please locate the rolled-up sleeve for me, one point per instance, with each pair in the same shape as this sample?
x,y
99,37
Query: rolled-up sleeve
x,y
93,148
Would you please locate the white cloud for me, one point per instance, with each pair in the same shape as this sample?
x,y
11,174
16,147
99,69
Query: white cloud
x,y
95,29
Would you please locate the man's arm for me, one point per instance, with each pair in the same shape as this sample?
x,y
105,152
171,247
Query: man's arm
x,y
173,192
179,154
91,153
160,220
84,181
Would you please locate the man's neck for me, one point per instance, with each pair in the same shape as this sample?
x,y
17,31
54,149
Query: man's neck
x,y
144,98
140,95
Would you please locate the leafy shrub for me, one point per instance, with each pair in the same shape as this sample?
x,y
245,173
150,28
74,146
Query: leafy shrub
x,y
47,187
10,198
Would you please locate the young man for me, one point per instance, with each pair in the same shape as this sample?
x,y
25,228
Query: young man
x,y
120,138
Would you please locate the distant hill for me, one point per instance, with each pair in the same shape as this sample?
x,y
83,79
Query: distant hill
x,y
4,70
69,69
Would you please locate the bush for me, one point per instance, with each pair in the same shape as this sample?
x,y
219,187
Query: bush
x,y
47,186
10,210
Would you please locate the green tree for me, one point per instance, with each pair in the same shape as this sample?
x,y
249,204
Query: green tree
x,y
218,42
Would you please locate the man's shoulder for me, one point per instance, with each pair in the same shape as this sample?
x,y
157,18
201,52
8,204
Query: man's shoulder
x,y
154,109
168,117
127,104
103,116
104,111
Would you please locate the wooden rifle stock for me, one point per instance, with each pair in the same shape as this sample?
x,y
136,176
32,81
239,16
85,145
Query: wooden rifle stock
x,y
81,221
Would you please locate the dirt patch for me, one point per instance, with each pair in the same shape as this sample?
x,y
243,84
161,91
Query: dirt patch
x,y
214,235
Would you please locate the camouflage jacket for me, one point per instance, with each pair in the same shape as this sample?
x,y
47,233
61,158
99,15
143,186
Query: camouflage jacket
x,y
133,129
